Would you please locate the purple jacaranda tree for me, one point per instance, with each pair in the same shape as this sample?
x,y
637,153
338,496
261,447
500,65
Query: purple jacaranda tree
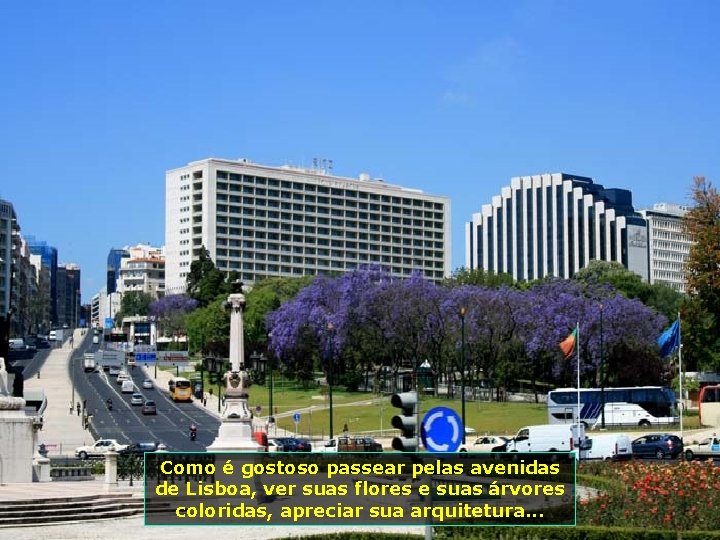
x,y
365,319
304,327
491,330
170,312
359,337
556,306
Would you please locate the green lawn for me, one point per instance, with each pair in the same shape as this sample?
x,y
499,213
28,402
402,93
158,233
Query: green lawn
x,y
368,412
365,412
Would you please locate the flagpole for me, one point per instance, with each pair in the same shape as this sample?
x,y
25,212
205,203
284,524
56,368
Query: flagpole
x,y
577,347
682,405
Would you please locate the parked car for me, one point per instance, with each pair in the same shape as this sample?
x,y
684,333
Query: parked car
x,y
283,444
31,343
304,445
147,384
275,445
607,447
488,443
358,444
137,399
658,445
330,446
16,344
140,448
99,448
149,407
706,448
549,438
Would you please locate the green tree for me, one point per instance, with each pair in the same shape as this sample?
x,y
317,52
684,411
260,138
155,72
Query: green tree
x,y
700,341
662,298
209,329
134,303
266,296
478,276
204,281
702,223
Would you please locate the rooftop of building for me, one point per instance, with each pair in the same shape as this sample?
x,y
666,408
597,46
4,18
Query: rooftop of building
x,y
322,172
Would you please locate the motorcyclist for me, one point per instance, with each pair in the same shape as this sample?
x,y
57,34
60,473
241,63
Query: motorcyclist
x,y
109,404
193,431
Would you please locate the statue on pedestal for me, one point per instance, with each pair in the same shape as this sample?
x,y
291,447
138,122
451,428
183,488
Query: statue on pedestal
x,y
7,401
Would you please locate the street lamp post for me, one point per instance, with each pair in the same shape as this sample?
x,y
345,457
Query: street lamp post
x,y
270,387
331,327
602,373
462,374
220,373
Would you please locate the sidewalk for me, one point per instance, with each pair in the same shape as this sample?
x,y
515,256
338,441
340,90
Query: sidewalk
x,y
62,432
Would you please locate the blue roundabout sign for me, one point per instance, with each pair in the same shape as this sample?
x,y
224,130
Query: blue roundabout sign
x,y
441,430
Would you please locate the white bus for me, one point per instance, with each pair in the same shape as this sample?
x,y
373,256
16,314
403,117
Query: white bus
x,y
626,406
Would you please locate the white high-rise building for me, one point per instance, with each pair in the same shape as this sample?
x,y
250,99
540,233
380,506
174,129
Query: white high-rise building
x,y
554,225
286,221
669,244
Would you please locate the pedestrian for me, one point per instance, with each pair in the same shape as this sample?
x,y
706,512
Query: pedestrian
x,y
211,391
84,404
204,400
78,408
71,407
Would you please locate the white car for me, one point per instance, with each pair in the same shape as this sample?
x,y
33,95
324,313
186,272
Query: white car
x,y
99,448
487,443
707,448
147,384
330,446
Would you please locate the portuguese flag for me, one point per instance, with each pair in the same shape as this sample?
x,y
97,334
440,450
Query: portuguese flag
x,y
569,343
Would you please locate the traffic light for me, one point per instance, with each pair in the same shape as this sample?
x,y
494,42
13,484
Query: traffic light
x,y
406,423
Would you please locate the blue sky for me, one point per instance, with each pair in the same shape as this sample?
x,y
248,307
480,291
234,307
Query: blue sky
x,y
99,99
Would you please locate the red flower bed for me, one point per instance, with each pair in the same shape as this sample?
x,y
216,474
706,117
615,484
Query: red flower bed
x,y
680,496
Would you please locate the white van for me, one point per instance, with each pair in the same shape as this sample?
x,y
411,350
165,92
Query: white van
x,y
549,438
52,336
128,387
608,446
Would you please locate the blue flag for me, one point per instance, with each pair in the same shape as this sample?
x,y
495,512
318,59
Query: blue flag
x,y
670,339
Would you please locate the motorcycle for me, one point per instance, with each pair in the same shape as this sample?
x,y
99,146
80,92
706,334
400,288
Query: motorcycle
x,y
109,405
193,434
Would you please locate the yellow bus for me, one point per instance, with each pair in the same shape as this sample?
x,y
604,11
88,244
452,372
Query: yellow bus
x,y
180,389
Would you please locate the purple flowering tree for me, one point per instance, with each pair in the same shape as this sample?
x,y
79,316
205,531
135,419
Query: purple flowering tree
x,y
556,306
171,311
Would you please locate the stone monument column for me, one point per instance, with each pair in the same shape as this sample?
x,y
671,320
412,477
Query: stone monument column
x,y
235,432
